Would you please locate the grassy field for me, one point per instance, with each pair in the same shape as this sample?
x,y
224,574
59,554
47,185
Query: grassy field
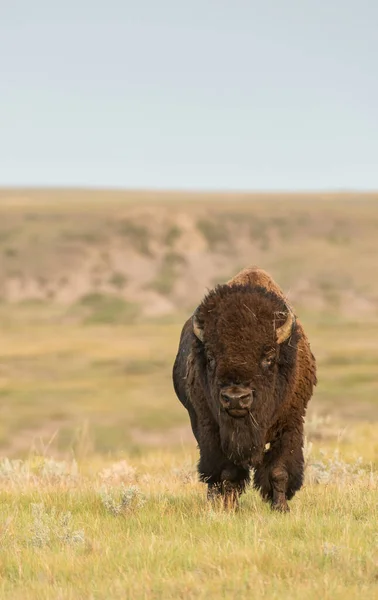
x,y
143,529
98,491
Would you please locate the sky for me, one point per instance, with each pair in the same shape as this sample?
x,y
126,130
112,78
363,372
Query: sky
x,y
206,94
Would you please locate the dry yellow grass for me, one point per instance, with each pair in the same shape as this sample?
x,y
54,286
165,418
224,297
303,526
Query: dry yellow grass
x,y
142,528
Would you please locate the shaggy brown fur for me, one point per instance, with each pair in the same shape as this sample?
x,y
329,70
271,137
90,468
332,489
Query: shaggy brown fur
x,y
230,345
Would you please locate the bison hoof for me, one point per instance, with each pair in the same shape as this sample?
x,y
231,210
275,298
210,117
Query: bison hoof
x,y
231,503
214,493
282,507
230,495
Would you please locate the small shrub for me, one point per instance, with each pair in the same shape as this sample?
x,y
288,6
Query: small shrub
x,y
333,469
38,470
122,500
108,309
120,471
168,273
118,280
10,252
48,527
172,235
58,471
40,533
138,235
85,237
214,231
186,475
14,471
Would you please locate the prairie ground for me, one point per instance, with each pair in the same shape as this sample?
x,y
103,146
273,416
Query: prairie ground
x,y
142,528
98,490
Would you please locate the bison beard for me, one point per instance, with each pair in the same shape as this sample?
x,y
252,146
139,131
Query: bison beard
x,y
243,439
244,337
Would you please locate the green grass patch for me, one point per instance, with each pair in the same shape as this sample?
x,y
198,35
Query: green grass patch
x,y
107,309
168,273
138,235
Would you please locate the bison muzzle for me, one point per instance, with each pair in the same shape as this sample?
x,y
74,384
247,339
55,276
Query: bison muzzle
x,y
245,373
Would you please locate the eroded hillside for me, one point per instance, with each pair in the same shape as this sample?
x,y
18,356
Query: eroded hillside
x,y
155,254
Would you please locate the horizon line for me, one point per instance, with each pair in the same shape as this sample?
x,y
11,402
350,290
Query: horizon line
x,y
183,190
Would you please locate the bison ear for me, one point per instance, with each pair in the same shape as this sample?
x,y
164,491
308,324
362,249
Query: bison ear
x,y
197,329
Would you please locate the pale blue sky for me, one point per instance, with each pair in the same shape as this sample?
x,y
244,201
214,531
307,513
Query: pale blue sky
x,y
237,94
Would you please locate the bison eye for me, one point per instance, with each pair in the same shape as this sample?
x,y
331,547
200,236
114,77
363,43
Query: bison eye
x,y
268,362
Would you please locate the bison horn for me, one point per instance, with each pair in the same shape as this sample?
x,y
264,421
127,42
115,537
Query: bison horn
x,y
283,332
197,330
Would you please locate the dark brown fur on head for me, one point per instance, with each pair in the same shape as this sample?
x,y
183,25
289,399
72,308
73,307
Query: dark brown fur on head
x,y
239,347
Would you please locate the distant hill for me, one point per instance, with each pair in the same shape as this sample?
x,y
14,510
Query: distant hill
x,y
158,252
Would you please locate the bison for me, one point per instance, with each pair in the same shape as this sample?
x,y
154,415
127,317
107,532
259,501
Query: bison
x,y
245,373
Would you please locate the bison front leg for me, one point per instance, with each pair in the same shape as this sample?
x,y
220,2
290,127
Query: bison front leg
x,y
232,483
225,480
279,482
280,474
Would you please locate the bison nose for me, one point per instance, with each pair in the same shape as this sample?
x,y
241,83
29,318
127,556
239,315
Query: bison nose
x,y
236,399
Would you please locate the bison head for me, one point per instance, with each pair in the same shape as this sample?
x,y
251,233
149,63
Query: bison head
x,y
246,348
